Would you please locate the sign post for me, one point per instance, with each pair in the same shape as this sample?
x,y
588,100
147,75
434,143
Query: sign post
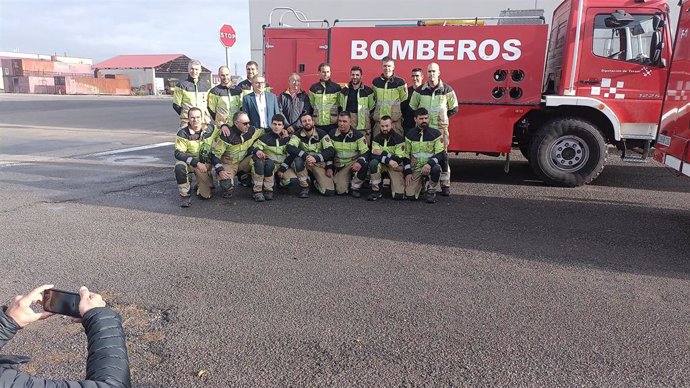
x,y
227,39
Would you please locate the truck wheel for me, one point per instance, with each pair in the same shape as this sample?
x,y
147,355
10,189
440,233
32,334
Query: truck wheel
x,y
568,152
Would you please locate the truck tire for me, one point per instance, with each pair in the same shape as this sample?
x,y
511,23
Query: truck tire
x,y
568,152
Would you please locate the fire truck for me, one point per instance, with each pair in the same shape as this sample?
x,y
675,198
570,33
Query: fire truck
x,y
674,127
560,93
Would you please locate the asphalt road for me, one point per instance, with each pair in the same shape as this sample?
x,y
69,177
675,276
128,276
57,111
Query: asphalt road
x,y
506,283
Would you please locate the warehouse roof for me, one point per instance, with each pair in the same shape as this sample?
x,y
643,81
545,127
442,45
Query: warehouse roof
x,y
161,62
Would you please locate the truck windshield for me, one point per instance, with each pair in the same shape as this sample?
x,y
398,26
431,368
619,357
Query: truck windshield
x,y
635,42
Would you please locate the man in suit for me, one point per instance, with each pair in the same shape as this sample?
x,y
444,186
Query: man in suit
x,y
260,105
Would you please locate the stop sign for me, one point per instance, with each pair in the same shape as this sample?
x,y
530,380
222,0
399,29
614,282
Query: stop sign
x,y
227,35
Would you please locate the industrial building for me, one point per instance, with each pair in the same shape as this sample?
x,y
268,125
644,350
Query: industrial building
x,y
52,74
154,74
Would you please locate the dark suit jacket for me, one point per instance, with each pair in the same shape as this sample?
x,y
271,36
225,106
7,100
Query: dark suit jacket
x,y
250,108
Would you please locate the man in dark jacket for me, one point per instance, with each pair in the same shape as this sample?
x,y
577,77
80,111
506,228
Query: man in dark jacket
x,y
293,103
107,365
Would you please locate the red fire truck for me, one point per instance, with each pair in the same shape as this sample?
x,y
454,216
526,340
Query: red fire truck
x,y
674,127
600,81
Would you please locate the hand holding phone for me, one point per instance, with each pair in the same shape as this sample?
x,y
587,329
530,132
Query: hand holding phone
x,y
20,309
61,302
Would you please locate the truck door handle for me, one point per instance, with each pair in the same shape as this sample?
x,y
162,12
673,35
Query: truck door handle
x,y
590,81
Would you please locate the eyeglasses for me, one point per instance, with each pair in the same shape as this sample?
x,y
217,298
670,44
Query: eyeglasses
x,y
245,123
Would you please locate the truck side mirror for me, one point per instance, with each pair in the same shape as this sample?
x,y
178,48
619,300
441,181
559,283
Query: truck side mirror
x,y
658,23
620,18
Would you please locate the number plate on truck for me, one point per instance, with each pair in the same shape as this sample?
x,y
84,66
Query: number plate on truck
x,y
664,140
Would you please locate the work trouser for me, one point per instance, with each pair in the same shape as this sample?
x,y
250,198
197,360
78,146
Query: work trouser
x,y
233,168
397,127
263,172
426,182
376,168
445,164
345,178
322,182
298,171
183,176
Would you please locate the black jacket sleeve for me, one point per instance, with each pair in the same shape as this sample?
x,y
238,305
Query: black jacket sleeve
x,y
184,157
177,108
107,365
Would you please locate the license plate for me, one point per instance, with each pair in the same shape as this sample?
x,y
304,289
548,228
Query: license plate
x,y
664,140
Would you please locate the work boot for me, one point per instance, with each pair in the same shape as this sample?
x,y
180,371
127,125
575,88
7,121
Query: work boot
x,y
445,191
303,192
430,196
356,193
245,180
375,195
186,201
228,193
259,197
268,195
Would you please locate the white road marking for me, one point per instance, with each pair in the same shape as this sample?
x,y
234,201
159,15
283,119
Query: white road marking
x,y
132,149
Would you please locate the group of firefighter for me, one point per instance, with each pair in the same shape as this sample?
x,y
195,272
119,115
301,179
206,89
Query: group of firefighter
x,y
336,137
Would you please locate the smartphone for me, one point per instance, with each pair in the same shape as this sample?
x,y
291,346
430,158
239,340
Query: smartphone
x,y
61,302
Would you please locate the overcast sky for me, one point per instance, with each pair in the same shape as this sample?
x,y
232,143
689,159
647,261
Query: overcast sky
x,y
101,29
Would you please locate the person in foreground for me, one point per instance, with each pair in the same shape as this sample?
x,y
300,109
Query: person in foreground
x,y
107,364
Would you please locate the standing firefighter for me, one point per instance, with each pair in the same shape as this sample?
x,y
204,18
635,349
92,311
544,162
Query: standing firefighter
x,y
245,86
191,92
350,157
323,97
424,155
224,99
358,99
389,91
416,80
439,99
387,154
192,151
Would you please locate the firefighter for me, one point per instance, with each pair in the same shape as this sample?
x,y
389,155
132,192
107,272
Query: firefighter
x,y
192,151
387,153
316,148
245,86
232,152
191,92
323,97
439,99
271,157
424,154
416,78
293,103
389,91
350,157
224,99
358,99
